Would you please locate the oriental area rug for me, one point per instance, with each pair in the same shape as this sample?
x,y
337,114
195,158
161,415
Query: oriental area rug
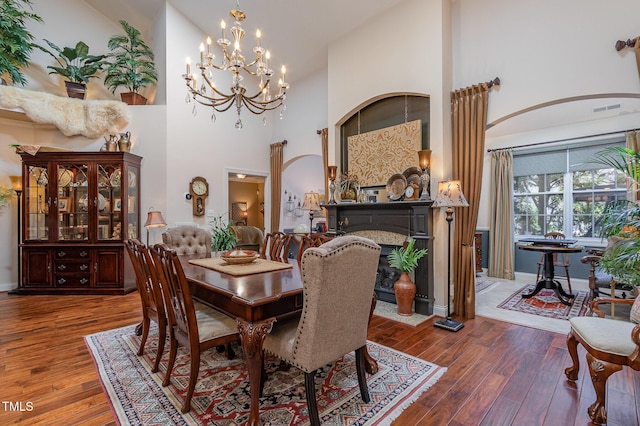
x,y
546,304
221,397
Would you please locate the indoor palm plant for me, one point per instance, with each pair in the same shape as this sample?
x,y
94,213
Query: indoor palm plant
x,y
130,65
222,236
16,42
622,219
75,65
405,259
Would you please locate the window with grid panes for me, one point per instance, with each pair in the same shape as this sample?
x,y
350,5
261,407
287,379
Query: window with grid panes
x,y
559,189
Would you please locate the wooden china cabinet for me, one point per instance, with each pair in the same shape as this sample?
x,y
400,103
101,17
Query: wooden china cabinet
x,y
78,209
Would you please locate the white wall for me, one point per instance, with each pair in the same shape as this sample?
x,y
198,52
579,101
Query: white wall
x,y
301,175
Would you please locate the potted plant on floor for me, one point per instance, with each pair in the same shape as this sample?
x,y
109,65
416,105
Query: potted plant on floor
x,y
222,236
405,259
15,40
75,65
621,220
131,65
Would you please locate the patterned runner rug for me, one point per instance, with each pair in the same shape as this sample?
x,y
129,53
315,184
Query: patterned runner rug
x,y
222,392
546,304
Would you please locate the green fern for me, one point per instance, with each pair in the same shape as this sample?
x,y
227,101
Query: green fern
x,y
406,258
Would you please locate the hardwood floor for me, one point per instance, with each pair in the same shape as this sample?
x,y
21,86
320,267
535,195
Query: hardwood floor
x,y
498,373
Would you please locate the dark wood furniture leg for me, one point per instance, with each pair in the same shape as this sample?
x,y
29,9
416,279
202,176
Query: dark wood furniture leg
x,y
252,337
547,281
371,365
600,372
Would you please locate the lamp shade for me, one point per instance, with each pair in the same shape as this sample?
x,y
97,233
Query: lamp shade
x,y
450,195
311,201
424,157
154,220
16,183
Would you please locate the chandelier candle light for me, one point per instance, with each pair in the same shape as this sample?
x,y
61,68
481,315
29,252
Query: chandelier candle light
x,y
232,60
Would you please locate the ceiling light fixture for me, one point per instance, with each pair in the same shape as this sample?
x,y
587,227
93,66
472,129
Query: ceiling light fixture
x,y
232,60
241,175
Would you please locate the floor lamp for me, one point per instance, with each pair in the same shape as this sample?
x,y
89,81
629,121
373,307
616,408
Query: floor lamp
x,y
154,220
16,185
449,196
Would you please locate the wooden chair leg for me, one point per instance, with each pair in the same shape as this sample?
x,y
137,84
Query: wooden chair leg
x,y
162,336
600,372
566,269
193,378
362,374
312,404
572,346
146,323
173,351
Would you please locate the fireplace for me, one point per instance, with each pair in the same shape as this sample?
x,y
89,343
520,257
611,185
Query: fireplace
x,y
391,221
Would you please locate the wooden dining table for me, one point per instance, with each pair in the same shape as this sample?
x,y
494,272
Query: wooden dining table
x,y
257,301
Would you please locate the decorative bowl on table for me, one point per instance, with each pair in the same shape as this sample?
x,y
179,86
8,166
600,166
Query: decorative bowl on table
x,y
234,257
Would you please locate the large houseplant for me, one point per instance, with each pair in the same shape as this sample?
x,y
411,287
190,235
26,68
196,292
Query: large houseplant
x,y
130,65
405,259
222,236
76,65
621,220
16,42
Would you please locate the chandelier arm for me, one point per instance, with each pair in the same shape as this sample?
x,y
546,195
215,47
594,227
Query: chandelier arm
x,y
215,105
213,88
261,106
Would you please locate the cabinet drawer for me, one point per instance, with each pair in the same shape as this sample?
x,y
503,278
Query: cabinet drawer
x,y
71,253
71,266
61,280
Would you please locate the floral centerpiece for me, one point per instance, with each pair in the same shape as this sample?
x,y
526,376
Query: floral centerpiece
x,y
349,186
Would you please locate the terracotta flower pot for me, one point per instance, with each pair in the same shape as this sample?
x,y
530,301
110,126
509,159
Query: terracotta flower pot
x,y
405,291
75,90
132,98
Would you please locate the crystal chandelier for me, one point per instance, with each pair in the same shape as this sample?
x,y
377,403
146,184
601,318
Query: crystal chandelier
x,y
205,91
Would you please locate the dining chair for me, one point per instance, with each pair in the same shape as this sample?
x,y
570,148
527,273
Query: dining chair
x,y
338,281
610,344
559,259
192,324
150,296
187,239
275,246
312,240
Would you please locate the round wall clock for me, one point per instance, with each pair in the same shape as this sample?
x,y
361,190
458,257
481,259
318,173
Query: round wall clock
x,y
199,190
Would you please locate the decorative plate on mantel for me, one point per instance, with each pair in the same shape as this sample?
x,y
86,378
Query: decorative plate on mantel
x,y
396,186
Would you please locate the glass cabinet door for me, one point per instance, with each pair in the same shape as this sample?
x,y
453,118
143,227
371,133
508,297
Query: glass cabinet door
x,y
37,201
73,202
132,202
109,202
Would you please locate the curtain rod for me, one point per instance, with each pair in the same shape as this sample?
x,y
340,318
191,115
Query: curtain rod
x,y
562,140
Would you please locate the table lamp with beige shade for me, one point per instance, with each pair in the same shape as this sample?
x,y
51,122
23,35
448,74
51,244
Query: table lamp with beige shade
x,y
312,203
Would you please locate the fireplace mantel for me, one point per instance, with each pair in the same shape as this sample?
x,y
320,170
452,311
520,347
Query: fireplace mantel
x,y
412,218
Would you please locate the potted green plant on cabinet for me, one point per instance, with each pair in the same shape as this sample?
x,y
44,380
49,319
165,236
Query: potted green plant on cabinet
x,y
405,259
75,65
130,65
621,220
222,236
15,39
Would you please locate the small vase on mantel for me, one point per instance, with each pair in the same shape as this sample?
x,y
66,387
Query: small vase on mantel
x,y
405,291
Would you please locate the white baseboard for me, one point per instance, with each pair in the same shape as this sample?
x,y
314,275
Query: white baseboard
x,y
7,287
